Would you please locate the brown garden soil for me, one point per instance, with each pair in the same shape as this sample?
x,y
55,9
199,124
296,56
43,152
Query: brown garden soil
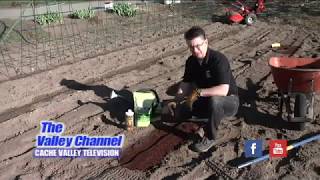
x,y
78,94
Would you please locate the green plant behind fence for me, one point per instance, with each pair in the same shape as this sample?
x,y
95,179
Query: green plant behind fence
x,y
125,9
83,14
49,17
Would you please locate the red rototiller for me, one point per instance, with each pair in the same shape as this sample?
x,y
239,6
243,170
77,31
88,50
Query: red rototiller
x,y
240,12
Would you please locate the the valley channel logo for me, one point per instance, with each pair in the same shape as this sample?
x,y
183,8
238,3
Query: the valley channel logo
x,y
254,148
50,143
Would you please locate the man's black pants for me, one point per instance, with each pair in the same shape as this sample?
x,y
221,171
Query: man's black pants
x,y
214,108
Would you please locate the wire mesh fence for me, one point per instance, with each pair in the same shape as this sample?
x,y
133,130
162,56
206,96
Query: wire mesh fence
x,y
27,47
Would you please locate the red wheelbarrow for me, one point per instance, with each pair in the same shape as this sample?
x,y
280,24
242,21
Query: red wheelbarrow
x,y
297,79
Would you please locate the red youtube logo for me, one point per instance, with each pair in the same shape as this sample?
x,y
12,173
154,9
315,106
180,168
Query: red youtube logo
x,y
278,148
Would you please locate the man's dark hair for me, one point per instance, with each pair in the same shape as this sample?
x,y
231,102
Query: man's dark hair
x,y
194,32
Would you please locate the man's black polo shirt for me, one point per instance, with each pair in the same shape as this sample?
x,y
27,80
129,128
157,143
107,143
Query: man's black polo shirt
x,y
215,70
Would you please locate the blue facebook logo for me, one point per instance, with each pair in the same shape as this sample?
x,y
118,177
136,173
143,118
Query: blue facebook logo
x,y
253,148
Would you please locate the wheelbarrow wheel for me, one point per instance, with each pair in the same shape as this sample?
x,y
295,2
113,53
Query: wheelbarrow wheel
x,y
300,109
300,105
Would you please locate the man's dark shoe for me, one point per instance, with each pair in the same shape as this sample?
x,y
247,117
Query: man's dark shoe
x,y
204,145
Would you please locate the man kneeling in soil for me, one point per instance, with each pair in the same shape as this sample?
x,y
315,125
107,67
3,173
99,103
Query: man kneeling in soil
x,y
209,85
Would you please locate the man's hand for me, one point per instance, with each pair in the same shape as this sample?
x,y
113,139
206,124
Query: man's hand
x,y
192,98
172,106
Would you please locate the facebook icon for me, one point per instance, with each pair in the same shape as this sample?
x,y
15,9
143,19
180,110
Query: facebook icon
x,y
253,148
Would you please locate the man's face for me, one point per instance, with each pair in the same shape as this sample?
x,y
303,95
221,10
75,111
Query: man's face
x,y
198,47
